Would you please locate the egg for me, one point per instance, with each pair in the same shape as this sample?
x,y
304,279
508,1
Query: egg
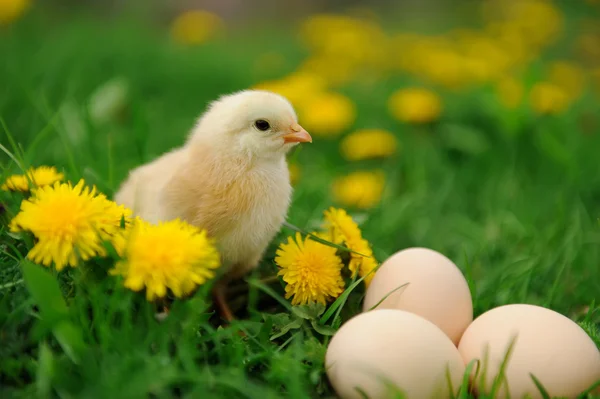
x,y
549,345
396,347
435,289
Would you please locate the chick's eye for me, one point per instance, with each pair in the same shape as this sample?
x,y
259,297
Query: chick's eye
x,y
262,125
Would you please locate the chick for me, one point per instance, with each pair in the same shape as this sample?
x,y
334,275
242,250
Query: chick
x,y
230,177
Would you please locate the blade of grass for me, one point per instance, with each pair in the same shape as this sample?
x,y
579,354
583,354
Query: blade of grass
x,y
540,387
387,295
322,241
269,291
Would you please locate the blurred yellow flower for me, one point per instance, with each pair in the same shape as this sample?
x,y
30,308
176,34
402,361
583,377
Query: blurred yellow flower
x,y
294,173
327,114
509,91
69,223
335,71
312,271
548,98
298,87
368,143
415,105
359,189
35,177
195,26
343,37
170,255
10,10
568,76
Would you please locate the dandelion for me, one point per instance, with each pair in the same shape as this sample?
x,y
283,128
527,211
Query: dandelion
x,y
10,10
171,255
294,170
327,114
42,176
359,189
509,92
342,229
568,76
548,98
297,87
311,270
415,105
368,143
195,27
69,223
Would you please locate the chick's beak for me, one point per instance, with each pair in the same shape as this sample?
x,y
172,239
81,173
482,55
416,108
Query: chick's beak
x,y
297,134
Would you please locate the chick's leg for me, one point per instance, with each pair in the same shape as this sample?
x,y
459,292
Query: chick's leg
x,y
220,299
238,271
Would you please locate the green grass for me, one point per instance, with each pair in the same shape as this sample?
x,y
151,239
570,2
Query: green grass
x,y
513,199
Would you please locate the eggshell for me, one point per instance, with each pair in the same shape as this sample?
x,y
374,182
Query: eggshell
x,y
404,349
549,345
436,289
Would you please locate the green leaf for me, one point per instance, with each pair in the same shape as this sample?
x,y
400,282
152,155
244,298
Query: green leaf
x,y
322,329
309,312
45,371
465,139
293,325
45,291
340,301
553,148
46,294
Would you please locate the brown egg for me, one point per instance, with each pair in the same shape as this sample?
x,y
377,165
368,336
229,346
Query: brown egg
x,y
392,346
435,289
549,345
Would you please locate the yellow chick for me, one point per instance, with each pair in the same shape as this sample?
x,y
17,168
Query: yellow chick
x,y
230,177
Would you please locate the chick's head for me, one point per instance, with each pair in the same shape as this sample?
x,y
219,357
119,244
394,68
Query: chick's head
x,y
255,123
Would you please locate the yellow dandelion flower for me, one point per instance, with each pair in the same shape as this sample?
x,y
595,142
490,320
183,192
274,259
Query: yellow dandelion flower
x,y
170,255
297,87
195,27
415,105
340,228
42,176
548,98
327,114
335,71
359,189
510,92
10,10
294,170
69,223
368,143
365,264
568,76
311,270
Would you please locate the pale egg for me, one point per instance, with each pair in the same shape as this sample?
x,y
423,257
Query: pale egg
x,y
548,345
393,347
432,286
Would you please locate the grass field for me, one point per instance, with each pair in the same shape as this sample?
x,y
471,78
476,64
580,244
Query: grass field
x,y
510,193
